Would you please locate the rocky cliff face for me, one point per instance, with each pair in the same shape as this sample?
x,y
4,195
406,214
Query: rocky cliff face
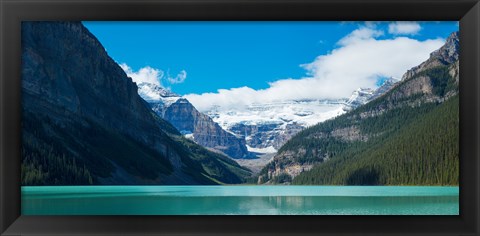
x,y
204,130
266,136
96,82
79,104
192,123
432,82
446,55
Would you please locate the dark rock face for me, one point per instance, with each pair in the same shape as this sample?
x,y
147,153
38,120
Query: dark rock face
x,y
182,115
80,104
66,66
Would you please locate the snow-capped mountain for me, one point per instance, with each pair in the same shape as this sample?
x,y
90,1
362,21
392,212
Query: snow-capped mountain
x,y
358,98
190,122
364,95
266,127
152,92
385,87
157,97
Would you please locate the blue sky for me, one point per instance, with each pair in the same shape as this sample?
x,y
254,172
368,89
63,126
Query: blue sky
x,y
218,54
225,55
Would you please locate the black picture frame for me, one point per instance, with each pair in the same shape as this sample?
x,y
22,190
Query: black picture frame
x,y
14,11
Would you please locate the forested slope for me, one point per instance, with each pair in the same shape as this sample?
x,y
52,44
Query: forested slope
x,y
408,136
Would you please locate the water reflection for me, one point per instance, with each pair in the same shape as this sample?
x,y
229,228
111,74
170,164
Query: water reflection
x,y
228,205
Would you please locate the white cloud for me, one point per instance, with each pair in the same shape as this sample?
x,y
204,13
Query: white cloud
x,y
180,78
151,75
365,32
404,27
146,74
360,61
363,61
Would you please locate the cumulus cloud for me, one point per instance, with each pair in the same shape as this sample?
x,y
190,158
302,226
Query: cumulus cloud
x,y
404,27
146,74
360,61
151,75
178,79
362,33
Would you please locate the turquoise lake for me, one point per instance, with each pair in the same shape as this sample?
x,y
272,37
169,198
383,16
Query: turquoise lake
x,y
240,200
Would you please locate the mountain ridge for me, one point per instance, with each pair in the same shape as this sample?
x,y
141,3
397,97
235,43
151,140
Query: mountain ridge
x,y
422,89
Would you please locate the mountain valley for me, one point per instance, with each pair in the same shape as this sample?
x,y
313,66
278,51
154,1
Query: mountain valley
x,y
85,121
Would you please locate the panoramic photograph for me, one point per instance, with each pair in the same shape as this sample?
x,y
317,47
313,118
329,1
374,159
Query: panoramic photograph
x,y
240,118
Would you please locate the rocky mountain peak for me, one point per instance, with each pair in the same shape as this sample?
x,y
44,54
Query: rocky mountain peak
x,y
448,53
153,92
364,95
195,125
185,101
358,98
385,87
445,55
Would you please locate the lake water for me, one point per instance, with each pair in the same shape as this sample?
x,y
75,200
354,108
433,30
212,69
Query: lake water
x,y
240,200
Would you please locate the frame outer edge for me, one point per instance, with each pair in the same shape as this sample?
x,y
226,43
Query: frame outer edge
x,y
9,117
2,166
476,14
471,63
5,221
477,72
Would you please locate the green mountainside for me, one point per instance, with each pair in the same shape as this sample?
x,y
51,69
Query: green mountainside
x,y
424,151
408,136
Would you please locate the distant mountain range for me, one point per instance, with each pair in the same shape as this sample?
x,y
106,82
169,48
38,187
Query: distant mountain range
x,y
258,129
407,135
83,121
267,126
